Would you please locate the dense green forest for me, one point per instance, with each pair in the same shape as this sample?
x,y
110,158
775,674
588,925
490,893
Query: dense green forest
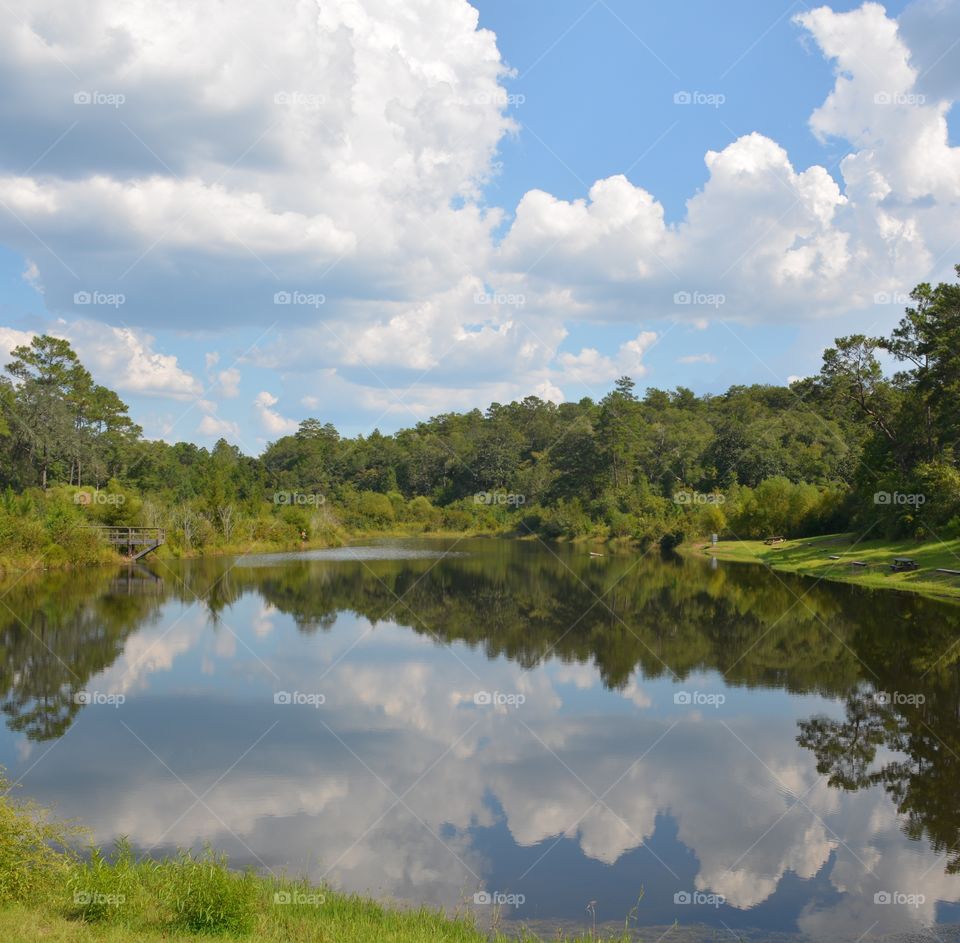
x,y
856,447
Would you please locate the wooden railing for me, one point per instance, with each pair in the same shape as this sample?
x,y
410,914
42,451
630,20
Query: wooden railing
x,y
136,541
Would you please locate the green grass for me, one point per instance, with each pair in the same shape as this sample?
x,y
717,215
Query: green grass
x,y
266,910
811,557
49,892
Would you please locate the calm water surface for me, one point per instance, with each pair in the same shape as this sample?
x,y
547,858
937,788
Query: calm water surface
x,y
747,755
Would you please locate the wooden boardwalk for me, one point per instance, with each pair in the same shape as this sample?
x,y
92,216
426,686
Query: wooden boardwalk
x,y
133,542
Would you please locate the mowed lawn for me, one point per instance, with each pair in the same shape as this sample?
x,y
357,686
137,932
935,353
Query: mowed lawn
x,y
811,556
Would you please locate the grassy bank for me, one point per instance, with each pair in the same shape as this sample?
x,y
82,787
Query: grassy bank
x,y
93,553
813,556
49,892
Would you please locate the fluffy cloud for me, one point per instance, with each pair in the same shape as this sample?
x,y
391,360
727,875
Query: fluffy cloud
x,y
124,359
10,338
217,428
228,383
805,246
903,156
615,253
590,366
224,159
271,421
201,160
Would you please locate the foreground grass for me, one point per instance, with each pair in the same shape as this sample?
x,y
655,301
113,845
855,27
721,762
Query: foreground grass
x,y
341,919
49,892
811,557
141,917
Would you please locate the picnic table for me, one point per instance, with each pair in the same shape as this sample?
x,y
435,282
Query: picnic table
x,y
901,564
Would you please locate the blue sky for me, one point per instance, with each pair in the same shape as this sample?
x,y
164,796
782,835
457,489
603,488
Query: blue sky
x,y
243,218
614,110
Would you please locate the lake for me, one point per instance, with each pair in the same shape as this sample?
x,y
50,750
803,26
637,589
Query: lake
x,y
526,731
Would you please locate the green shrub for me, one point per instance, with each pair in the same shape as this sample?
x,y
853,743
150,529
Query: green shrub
x,y
454,519
205,897
102,890
32,862
376,508
421,510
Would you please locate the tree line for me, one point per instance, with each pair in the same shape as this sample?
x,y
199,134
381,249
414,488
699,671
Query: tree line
x,y
856,447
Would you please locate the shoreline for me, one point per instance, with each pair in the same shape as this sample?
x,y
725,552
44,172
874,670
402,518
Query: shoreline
x,y
811,557
15,566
